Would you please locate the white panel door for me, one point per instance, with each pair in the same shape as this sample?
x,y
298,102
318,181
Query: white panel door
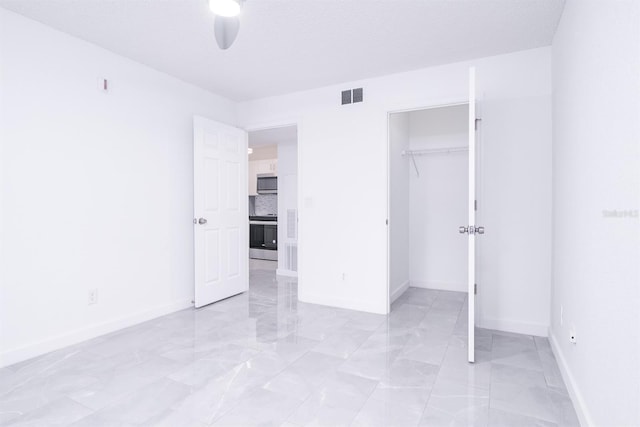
x,y
472,230
220,211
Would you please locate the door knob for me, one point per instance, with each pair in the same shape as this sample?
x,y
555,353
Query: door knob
x,y
471,230
202,221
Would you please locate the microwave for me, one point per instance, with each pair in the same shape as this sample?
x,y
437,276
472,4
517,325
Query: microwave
x,y
267,184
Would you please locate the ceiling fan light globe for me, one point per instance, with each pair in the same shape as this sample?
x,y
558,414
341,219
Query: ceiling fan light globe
x,y
226,8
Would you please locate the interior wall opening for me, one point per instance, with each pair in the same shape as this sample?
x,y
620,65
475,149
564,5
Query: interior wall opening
x,y
273,199
428,201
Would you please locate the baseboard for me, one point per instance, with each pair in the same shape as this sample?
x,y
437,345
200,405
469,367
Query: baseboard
x,y
30,351
401,290
287,273
537,329
569,380
331,301
440,286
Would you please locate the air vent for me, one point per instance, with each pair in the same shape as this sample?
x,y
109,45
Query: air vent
x,y
357,95
291,256
292,223
346,97
352,96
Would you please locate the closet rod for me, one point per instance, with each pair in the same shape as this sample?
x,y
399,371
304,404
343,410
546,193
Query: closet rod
x,y
434,151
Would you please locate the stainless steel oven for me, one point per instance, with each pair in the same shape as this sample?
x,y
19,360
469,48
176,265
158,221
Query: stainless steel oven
x,y
263,238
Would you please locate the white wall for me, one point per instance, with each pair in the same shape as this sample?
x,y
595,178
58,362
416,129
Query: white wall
x,y
399,253
514,196
343,166
439,199
287,200
596,169
96,189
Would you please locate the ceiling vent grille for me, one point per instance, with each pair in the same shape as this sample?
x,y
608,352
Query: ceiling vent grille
x,y
357,95
352,96
346,97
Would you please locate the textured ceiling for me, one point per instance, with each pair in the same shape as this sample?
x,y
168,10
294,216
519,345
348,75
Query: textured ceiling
x,y
291,45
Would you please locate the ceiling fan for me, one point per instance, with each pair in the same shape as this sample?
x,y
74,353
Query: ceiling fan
x,y
227,21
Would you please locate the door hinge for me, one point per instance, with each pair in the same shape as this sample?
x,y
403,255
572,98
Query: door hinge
x,y
475,289
475,205
475,123
386,222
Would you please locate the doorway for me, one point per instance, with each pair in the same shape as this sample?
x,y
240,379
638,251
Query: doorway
x,y
431,202
273,199
428,183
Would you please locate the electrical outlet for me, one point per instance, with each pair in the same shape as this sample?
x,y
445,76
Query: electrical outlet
x,y
93,296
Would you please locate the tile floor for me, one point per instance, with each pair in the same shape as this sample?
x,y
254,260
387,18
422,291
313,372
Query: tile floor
x,y
263,358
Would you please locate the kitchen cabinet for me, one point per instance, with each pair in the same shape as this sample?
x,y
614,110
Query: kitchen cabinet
x,y
257,167
267,166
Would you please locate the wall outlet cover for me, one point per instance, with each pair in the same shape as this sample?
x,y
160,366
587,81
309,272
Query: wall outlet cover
x,y
93,296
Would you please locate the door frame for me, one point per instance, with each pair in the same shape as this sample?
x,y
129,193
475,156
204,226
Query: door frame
x,y
452,102
281,123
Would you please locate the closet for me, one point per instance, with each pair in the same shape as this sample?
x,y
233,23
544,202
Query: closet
x,y
428,199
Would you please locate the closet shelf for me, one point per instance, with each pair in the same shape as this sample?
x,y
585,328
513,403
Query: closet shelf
x,y
445,150
434,151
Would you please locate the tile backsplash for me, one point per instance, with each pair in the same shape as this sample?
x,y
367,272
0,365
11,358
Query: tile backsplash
x,y
266,204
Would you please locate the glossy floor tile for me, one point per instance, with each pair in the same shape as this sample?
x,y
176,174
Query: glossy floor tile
x,y
263,358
